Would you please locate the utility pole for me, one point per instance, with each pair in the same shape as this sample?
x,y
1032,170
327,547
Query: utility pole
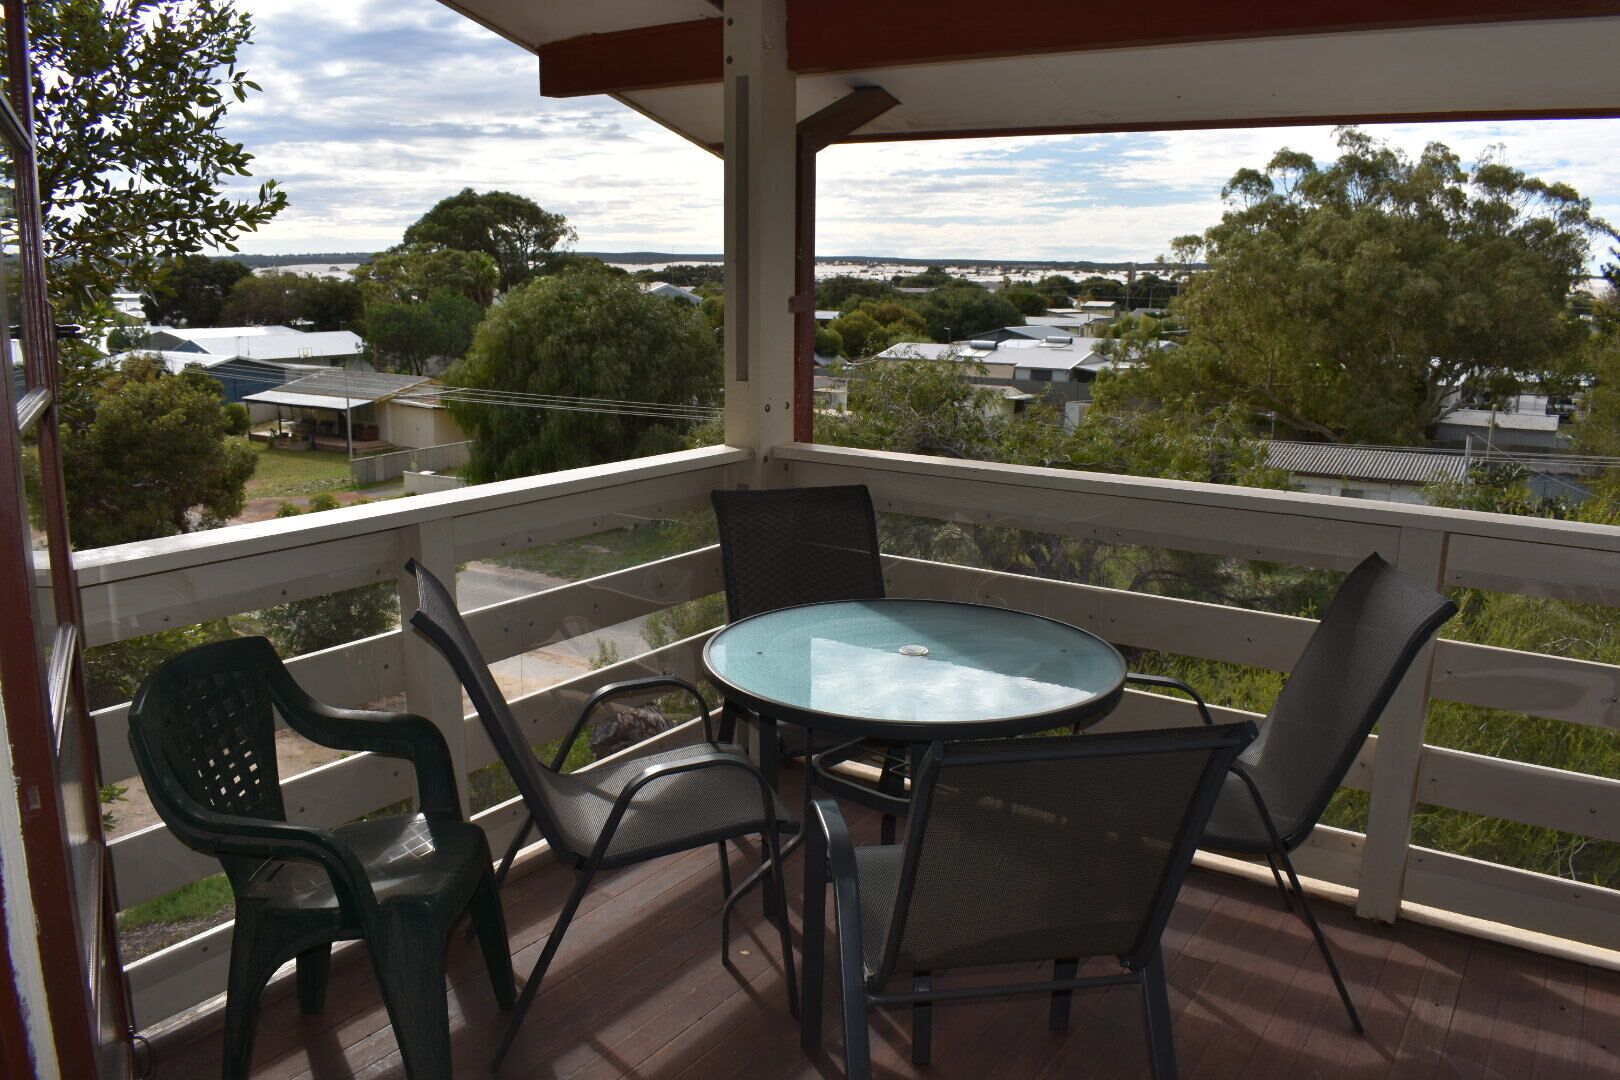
x,y
348,415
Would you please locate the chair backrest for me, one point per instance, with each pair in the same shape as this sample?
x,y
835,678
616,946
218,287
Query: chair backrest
x,y
1052,848
204,719
1372,630
438,620
797,546
202,730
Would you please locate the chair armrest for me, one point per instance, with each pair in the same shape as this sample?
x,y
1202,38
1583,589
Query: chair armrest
x,y
400,735
612,690
1165,682
262,838
829,822
709,759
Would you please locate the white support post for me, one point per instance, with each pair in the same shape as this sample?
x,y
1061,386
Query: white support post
x,y
431,687
760,149
1401,732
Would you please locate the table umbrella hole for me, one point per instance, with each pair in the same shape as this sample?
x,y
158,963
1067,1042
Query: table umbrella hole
x,y
913,650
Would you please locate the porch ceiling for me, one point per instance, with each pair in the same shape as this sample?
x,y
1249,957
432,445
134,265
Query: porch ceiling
x,y
961,68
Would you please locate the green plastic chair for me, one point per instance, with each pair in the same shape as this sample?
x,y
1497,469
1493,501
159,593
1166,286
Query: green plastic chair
x,y
204,740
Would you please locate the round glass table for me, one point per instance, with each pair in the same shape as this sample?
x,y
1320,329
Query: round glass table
x,y
913,671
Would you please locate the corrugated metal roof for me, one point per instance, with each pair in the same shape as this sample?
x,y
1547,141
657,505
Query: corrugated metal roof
x,y
1365,463
355,387
292,345
304,401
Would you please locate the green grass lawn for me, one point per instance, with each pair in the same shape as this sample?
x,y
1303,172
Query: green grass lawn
x,y
603,552
200,898
285,473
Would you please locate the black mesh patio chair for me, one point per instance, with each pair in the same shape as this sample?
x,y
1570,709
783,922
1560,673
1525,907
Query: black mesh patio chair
x,y
622,812
203,734
1049,849
807,545
1372,631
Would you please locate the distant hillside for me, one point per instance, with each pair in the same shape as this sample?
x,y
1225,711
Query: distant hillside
x,y
886,260
1087,265
257,261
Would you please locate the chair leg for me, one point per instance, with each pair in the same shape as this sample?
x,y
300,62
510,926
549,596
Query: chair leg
x,y
489,923
1061,999
922,1021
768,756
1321,942
726,906
313,968
890,782
857,1039
815,936
1282,887
252,964
408,957
1161,1037
772,842
512,849
549,953
518,839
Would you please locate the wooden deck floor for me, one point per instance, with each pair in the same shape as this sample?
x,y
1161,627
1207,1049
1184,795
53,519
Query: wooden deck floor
x,y
639,991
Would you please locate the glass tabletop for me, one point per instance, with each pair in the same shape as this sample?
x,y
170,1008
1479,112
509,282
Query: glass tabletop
x,y
887,666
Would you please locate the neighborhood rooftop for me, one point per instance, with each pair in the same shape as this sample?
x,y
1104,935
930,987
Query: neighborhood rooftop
x,y
1365,463
339,389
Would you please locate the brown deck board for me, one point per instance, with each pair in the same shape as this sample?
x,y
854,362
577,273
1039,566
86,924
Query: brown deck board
x,y
638,990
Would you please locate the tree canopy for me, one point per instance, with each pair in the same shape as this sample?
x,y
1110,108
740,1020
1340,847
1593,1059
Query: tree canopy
x,y
411,337
410,273
581,333
1352,299
304,301
146,454
512,230
134,167
191,290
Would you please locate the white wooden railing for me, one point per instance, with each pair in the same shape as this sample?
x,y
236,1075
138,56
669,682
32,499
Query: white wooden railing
x,y
139,588
1533,556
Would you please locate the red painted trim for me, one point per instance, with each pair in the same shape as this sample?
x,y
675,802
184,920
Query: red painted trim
x,y
1460,116
847,35
850,35
75,994
647,58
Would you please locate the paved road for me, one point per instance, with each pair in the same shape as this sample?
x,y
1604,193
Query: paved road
x,y
483,583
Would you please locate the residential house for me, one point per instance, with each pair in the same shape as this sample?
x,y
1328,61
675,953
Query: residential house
x,y
326,348
671,292
1501,430
363,410
1364,472
238,377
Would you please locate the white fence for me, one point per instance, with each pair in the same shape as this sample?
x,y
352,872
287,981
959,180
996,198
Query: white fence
x,y
379,467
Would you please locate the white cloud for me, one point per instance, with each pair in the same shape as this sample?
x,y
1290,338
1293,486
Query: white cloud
x,y
375,109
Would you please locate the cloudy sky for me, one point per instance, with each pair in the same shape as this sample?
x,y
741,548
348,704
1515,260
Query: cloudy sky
x,y
372,110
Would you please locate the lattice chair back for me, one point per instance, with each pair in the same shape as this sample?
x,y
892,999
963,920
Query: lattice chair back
x,y
203,731
1051,848
439,621
797,546
1372,630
